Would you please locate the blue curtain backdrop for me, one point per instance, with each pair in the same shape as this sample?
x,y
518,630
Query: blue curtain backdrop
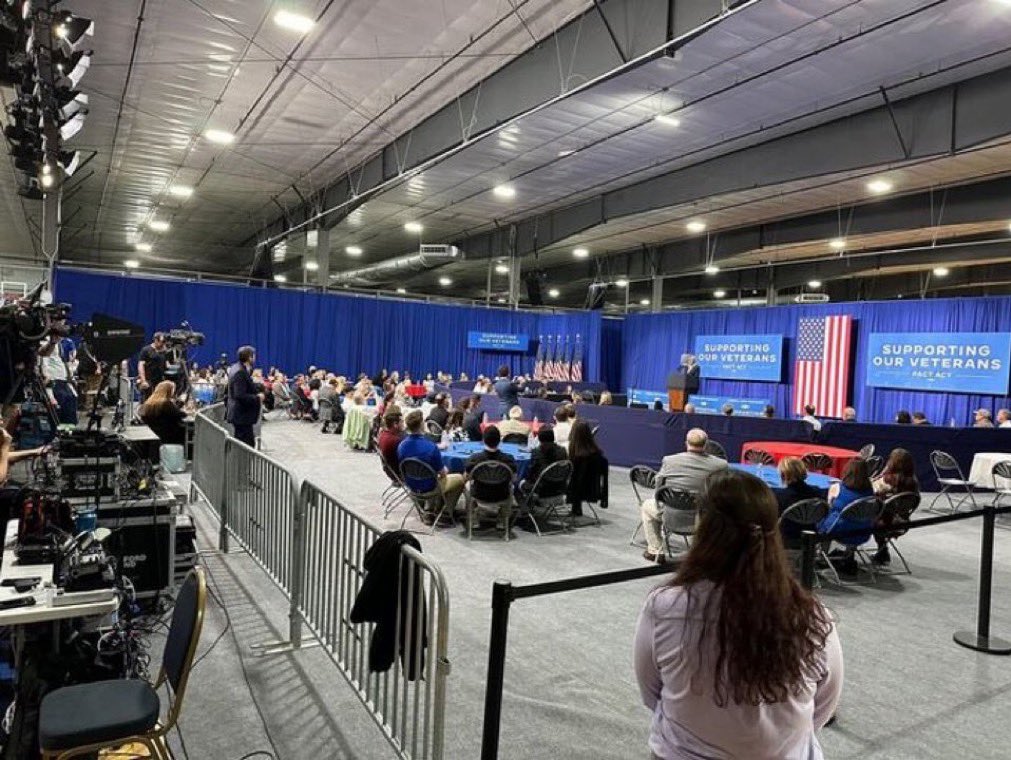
x,y
653,344
293,329
611,334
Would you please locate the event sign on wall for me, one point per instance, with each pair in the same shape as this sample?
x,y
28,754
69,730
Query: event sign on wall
x,y
959,362
491,341
740,357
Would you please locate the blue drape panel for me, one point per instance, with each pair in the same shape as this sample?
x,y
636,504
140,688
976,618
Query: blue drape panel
x,y
611,348
292,329
653,344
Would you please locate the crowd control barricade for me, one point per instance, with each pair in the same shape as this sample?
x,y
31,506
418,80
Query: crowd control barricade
x,y
208,474
333,541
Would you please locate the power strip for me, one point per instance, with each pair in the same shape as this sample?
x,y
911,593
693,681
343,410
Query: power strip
x,y
66,598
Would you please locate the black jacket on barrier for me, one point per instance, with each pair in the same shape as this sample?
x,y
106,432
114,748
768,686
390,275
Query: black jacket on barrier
x,y
377,603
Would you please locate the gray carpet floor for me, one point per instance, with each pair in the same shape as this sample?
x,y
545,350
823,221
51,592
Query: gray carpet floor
x,y
910,691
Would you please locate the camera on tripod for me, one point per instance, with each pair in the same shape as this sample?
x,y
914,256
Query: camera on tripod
x,y
183,338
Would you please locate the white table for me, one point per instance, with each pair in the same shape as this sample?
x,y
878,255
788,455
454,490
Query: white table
x,y
982,465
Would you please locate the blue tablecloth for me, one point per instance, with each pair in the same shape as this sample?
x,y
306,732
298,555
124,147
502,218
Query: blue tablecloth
x,y
456,456
771,476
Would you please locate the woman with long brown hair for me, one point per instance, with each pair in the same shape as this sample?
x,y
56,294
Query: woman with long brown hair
x,y
898,476
589,468
162,415
734,657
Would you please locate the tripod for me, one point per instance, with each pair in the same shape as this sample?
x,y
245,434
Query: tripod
x,y
33,390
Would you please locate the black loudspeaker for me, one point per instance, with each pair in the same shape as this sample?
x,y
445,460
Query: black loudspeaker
x,y
534,295
595,295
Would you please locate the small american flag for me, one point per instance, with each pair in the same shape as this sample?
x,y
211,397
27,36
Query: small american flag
x,y
577,362
822,367
539,362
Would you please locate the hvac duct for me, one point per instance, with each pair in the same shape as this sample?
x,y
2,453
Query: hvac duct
x,y
428,257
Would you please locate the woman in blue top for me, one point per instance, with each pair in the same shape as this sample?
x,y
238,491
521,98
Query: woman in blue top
x,y
855,484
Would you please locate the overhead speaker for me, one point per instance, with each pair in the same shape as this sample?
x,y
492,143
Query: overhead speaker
x,y
534,295
596,294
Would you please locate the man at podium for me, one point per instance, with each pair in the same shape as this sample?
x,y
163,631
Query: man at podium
x,y
683,382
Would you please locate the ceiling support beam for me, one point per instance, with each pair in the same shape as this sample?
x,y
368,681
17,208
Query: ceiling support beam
x,y
610,32
895,122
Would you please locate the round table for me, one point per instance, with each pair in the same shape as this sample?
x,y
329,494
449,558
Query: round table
x,y
456,456
358,425
982,467
770,475
781,449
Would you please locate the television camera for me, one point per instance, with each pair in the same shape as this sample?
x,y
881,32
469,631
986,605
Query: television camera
x,y
178,343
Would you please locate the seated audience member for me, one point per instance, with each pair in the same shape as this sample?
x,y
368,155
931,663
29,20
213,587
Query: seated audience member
x,y
329,403
728,410
490,453
514,425
454,432
855,484
849,414
440,412
606,399
898,476
657,405
689,408
983,419
429,404
810,419
478,385
391,436
734,658
161,413
464,378
1004,418
547,453
686,471
793,473
429,383
562,426
472,419
769,412
919,418
417,446
542,392
902,417
589,466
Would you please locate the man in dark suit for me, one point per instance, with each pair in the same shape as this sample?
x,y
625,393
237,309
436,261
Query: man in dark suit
x,y
691,370
243,409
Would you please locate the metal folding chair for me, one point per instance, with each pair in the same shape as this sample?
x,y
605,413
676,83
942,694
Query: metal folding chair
x,y
491,474
859,513
423,502
645,478
396,492
1001,474
900,507
714,448
875,465
521,439
759,456
949,474
817,461
433,428
555,477
678,513
867,451
804,515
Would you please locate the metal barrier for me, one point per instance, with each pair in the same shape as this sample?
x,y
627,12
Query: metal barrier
x,y
410,713
209,437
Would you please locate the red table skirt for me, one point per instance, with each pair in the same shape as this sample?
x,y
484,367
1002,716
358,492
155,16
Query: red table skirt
x,y
416,391
780,449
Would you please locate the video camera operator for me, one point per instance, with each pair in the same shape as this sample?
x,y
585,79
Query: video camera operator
x,y
151,365
243,400
56,375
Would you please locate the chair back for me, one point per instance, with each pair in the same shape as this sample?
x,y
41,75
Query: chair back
x,y
759,456
390,472
1001,471
521,438
556,476
415,469
433,427
642,477
805,514
945,465
715,448
491,473
901,505
875,464
867,451
183,637
817,461
865,510
679,510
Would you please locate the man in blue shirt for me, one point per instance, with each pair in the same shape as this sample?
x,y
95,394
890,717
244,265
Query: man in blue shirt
x,y
417,446
507,391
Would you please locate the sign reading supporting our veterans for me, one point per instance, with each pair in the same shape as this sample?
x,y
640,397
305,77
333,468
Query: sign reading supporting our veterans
x,y
491,341
740,357
958,362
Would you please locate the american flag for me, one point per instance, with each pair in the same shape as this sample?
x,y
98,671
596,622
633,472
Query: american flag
x,y
822,368
565,366
555,365
539,362
577,362
549,366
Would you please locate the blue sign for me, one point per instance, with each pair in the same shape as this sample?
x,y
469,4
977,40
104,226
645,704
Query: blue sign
x,y
959,362
741,357
489,341
743,407
640,396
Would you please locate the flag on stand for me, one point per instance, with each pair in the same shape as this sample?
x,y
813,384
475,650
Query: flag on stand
x,y
555,365
539,361
577,362
822,368
548,358
566,360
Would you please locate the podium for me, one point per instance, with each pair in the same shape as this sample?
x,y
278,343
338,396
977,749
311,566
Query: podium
x,y
679,385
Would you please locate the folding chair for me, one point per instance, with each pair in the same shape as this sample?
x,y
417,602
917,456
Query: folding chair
x,y
1001,474
424,502
517,438
859,513
949,475
900,507
554,478
801,516
867,451
396,492
433,428
759,456
817,461
645,478
678,512
875,465
491,474
714,448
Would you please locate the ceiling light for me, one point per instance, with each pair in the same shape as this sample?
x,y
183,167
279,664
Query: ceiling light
x,y
879,186
667,120
143,247
413,227
181,191
502,269
712,269
696,226
311,266
312,238
644,302
280,278
719,293
941,271
564,153
353,250
131,263
554,292
158,225
837,244
445,282
219,136
621,283
500,300
294,21
402,291
814,283
504,191
580,253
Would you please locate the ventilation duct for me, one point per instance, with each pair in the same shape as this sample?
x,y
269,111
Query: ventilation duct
x,y
428,257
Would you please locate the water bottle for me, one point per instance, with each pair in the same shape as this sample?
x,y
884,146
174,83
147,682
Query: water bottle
x,y
952,423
